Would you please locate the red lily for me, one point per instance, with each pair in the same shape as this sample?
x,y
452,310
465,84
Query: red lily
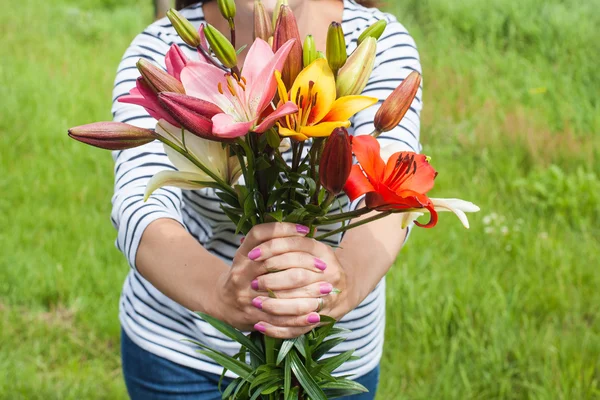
x,y
399,184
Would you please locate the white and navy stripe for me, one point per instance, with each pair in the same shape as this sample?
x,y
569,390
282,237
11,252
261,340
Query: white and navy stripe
x,y
157,323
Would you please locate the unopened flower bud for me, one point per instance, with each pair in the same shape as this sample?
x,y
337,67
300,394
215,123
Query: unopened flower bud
x,y
287,29
336,161
375,31
184,28
354,75
336,47
222,47
157,79
320,54
397,104
309,51
190,112
263,27
227,9
276,12
112,135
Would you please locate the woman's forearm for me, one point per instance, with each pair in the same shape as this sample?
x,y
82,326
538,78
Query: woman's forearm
x,y
367,253
177,265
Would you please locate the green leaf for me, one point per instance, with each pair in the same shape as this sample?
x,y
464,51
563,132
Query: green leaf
x,y
273,138
299,345
342,387
326,346
276,215
305,378
228,198
261,164
265,389
234,334
286,346
293,395
287,378
267,376
228,362
332,363
241,49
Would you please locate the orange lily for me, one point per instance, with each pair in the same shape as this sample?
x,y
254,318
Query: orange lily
x,y
319,112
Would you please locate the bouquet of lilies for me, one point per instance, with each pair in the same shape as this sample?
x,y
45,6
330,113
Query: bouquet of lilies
x,y
220,121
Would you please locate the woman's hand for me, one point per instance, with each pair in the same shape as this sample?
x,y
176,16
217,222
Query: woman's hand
x,y
306,277
234,299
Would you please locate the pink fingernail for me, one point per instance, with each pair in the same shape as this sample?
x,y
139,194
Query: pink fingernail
x,y
242,239
302,229
260,328
313,318
320,264
326,288
257,302
254,284
254,254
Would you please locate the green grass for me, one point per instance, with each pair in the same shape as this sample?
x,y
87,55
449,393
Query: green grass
x,y
507,310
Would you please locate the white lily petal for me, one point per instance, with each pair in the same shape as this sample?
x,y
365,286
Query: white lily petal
x,y
183,180
457,206
209,153
409,217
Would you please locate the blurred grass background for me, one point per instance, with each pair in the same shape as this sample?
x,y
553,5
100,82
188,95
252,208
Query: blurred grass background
x,y
507,310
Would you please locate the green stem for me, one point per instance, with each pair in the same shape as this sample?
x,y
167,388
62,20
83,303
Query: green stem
x,y
222,184
341,217
354,225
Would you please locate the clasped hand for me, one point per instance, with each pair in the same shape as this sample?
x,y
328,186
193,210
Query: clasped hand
x,y
303,274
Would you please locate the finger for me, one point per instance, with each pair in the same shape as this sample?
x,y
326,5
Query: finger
x,y
282,245
313,290
285,332
264,232
295,259
284,280
287,307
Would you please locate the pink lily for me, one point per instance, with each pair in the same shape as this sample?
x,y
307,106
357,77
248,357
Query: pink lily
x,y
143,95
175,61
243,99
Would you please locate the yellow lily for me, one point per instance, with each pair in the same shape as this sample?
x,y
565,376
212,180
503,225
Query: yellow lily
x,y
319,112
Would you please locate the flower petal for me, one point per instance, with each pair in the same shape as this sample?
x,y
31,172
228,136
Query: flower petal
x,y
281,111
290,133
345,107
457,206
184,180
201,80
143,96
357,184
323,129
262,86
259,54
367,151
175,60
324,85
408,217
419,177
225,126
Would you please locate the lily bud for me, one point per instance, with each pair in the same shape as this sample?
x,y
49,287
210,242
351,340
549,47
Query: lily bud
x,y
397,104
320,54
184,28
309,51
263,27
375,31
190,112
336,47
276,11
227,9
287,29
112,135
354,75
222,47
336,161
157,79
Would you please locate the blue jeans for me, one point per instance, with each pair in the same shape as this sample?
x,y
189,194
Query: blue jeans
x,y
150,377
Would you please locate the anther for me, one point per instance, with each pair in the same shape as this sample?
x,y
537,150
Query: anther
x,y
220,87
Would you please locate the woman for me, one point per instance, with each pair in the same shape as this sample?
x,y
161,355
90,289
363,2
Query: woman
x,y
184,254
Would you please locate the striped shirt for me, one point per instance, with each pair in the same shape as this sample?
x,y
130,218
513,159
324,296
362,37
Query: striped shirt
x,y
154,321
